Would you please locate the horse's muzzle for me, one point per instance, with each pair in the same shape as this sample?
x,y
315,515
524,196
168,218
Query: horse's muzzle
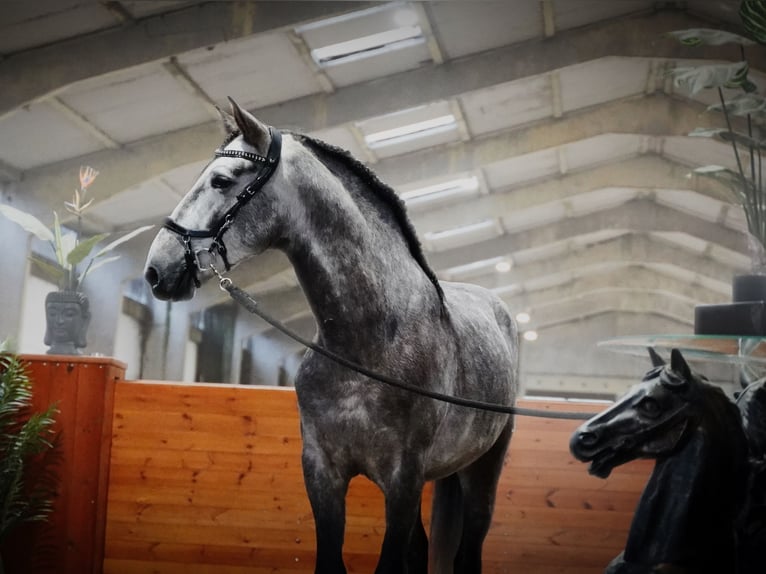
x,y
179,289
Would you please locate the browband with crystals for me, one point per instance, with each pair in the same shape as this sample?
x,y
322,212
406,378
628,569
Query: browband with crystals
x,y
241,154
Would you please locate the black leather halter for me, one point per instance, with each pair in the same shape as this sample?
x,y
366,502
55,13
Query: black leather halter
x,y
269,165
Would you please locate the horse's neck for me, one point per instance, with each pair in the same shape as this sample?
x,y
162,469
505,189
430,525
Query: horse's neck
x,y
685,506
355,267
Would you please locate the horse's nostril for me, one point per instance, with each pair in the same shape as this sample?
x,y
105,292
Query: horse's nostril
x,y
588,438
152,276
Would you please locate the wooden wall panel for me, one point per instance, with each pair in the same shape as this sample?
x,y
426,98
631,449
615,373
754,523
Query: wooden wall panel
x,y
72,541
208,479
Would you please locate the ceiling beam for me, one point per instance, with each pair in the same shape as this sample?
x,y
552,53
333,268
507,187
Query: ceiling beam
x,y
152,157
652,171
640,215
146,40
637,302
653,115
550,289
631,36
634,248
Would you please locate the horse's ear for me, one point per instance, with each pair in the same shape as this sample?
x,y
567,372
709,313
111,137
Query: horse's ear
x,y
679,365
657,361
228,121
253,131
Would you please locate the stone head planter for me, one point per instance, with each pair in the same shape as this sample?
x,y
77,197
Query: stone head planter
x,y
67,315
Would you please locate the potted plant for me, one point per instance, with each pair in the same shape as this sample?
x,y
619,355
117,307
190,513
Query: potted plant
x,y
744,113
26,488
74,257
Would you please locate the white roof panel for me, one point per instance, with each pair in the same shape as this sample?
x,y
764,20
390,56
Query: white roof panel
x,y
506,105
135,103
37,135
586,84
256,71
469,27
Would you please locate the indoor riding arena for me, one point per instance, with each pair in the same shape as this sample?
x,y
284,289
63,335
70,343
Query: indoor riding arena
x,y
335,287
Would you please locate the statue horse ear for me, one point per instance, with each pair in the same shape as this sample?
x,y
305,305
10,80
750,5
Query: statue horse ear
x,y
253,131
679,375
657,361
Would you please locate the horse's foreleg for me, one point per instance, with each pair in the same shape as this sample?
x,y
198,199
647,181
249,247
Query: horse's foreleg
x,y
405,546
326,488
478,483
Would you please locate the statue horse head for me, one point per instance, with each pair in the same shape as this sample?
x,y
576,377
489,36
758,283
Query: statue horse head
x,y
686,518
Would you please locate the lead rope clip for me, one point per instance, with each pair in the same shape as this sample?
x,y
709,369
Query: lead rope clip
x,y
224,283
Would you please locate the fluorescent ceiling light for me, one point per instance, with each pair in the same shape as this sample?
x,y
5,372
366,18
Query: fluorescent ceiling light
x,y
443,188
366,46
530,335
411,131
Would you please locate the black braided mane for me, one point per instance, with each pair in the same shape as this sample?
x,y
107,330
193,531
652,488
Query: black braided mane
x,y
385,193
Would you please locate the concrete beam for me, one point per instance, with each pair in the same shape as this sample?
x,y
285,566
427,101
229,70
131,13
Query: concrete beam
x,y
633,249
150,158
652,171
602,301
550,289
638,215
148,40
652,115
633,36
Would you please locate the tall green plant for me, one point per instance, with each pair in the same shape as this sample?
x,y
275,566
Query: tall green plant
x,y
744,115
74,255
24,437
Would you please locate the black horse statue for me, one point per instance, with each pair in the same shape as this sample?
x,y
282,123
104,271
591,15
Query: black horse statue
x,y
687,518
752,533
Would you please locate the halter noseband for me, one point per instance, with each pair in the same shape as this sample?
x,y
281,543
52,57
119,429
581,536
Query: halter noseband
x,y
269,165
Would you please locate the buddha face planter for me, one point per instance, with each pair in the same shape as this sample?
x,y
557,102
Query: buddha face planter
x,y
67,316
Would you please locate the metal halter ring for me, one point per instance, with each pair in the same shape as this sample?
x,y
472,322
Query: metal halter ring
x,y
199,256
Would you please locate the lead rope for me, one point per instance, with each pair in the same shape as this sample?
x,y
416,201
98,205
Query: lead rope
x,y
251,306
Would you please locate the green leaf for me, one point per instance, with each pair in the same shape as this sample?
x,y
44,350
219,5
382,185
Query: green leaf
x,y
708,37
57,247
120,240
52,272
28,222
743,139
83,249
697,78
95,265
742,105
706,132
753,15
68,245
710,169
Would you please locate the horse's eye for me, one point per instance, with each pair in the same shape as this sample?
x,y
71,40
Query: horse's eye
x,y
649,407
220,182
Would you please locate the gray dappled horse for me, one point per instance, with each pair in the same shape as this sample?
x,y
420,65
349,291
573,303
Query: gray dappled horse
x,y
377,303
687,516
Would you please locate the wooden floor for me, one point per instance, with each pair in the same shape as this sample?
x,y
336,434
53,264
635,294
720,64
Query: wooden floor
x,y
207,479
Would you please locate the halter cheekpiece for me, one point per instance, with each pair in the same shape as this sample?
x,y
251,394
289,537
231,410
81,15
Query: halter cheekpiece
x,y
269,165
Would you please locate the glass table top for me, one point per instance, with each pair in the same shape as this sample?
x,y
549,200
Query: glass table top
x,y
733,349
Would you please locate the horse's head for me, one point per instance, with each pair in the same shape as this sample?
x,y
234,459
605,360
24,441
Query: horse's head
x,y
227,215
648,422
